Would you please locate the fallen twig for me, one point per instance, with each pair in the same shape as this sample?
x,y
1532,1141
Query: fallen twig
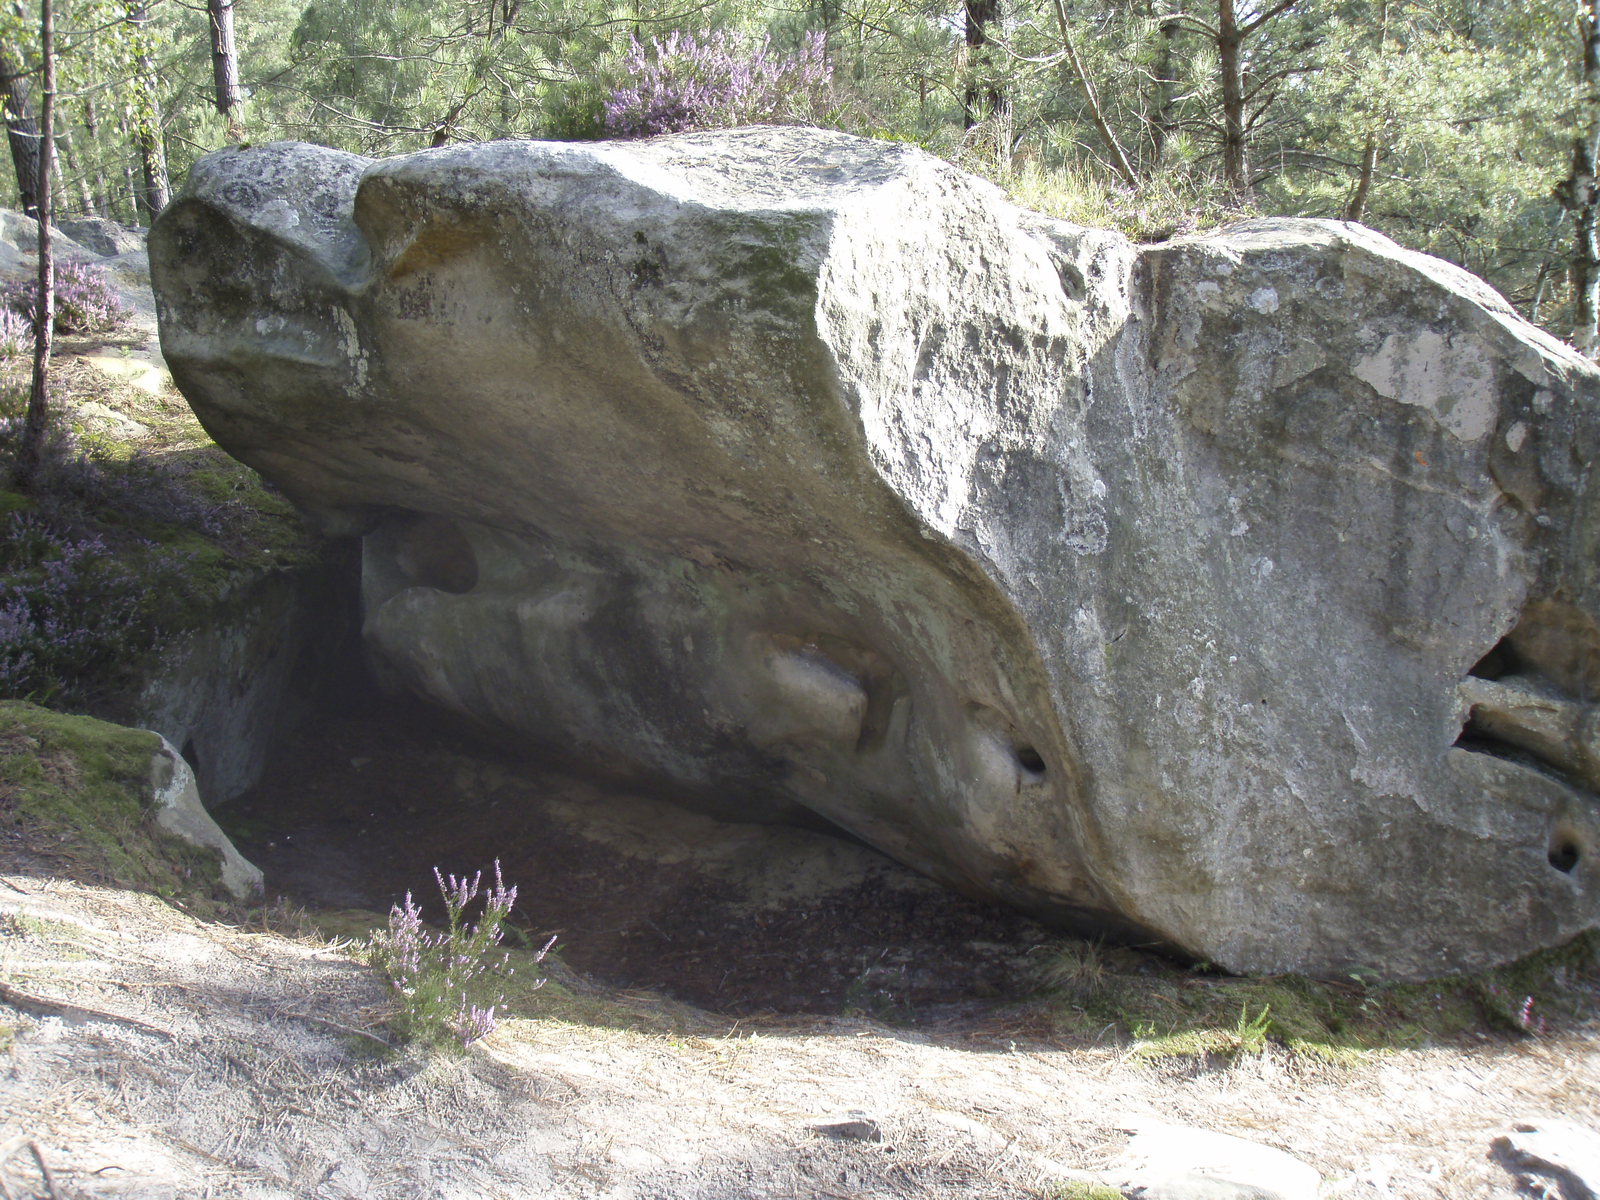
x,y
9,1151
64,1008
342,1028
44,1169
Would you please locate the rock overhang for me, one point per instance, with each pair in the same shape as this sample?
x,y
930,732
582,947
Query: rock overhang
x,y
1143,587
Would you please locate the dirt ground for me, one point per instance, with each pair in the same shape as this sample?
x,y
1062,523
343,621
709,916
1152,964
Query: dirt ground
x,y
735,919
153,1055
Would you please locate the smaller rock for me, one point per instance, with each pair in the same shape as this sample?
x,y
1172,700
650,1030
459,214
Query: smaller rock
x,y
102,236
1558,1148
103,419
22,234
855,1127
179,811
1176,1162
133,267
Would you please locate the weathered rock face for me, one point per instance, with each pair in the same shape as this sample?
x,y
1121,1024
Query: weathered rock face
x,y
1237,593
266,658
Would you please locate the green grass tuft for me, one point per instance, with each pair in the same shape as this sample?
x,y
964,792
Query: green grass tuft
x,y
1169,1012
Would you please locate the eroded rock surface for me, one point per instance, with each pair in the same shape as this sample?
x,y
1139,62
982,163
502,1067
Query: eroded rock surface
x,y
1236,594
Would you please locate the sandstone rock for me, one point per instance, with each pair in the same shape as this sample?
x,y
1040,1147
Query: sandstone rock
x,y
227,689
105,237
179,811
1153,589
1178,1162
99,418
854,1127
20,233
128,271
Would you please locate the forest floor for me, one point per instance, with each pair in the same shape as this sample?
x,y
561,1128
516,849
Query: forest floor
x,y
152,1054
726,1000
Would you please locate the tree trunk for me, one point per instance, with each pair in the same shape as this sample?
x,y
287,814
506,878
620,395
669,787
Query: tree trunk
x,y
22,132
102,193
58,179
1119,156
1230,51
79,175
147,131
225,66
38,419
1164,123
1369,159
137,212
979,14
1579,193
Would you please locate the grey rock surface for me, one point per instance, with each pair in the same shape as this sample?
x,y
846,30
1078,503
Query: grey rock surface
x,y
20,233
180,811
1178,1162
103,236
127,269
1157,590
227,689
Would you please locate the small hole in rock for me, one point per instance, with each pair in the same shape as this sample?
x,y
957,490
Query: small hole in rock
x,y
1564,855
190,756
1031,760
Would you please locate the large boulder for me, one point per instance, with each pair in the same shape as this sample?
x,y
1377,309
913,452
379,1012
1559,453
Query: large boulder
x,y
1236,594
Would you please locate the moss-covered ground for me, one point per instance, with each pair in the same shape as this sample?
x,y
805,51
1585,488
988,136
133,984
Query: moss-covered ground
x,y
76,795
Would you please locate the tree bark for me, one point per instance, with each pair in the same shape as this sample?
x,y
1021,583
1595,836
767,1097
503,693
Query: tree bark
x,y
38,420
1119,156
1230,52
1369,159
102,193
79,175
147,131
1578,192
130,179
1164,124
22,131
225,67
979,14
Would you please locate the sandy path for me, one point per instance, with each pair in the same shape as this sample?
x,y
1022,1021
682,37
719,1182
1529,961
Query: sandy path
x,y
226,1075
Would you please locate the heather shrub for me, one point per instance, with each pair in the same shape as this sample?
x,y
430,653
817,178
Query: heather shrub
x,y
86,302
716,81
16,334
71,608
73,479
83,593
437,976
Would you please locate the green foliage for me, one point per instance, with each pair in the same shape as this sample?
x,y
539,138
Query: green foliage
x,y
1074,1190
